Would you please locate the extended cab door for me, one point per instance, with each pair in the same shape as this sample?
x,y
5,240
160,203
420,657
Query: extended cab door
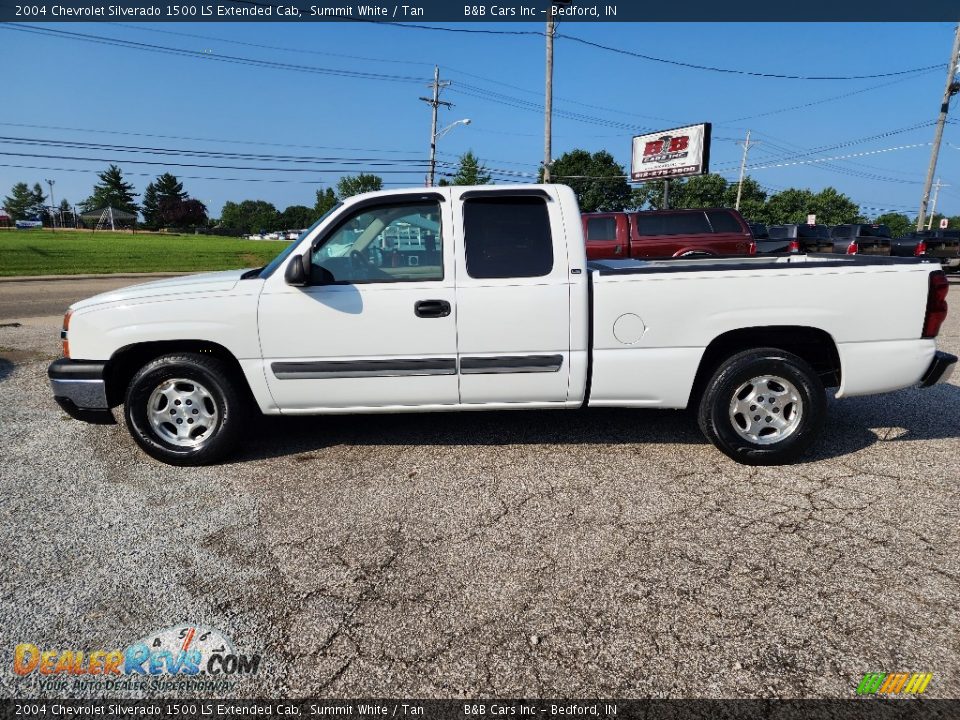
x,y
376,327
513,297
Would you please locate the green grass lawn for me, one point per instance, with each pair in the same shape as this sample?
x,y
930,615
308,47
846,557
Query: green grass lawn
x,y
69,252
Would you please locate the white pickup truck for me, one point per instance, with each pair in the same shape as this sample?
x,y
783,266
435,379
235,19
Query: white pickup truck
x,y
481,298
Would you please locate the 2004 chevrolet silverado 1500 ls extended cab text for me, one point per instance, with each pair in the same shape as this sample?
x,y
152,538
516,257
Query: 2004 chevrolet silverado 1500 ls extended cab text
x,y
482,299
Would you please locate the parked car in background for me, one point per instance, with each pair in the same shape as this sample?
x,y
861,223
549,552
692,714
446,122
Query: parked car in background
x,y
666,234
768,246
861,239
806,238
941,244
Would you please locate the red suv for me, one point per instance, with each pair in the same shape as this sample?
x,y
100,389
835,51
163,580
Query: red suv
x,y
667,233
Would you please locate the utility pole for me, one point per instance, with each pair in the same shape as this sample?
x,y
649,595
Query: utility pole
x,y
743,166
951,89
666,194
933,205
53,207
434,103
548,100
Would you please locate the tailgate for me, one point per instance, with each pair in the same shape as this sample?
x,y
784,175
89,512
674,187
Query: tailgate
x,y
874,245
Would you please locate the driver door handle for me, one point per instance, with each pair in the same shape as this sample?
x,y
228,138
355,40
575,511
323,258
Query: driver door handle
x,y
431,308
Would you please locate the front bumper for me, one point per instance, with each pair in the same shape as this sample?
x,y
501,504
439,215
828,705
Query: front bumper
x,y
79,387
940,370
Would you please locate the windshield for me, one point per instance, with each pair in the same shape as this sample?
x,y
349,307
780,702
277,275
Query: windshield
x,y
278,260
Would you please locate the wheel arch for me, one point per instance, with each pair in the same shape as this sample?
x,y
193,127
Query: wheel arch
x,y
125,362
814,345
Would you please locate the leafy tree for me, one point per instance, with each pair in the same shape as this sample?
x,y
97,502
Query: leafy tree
x,y
167,189
598,180
696,192
350,185
789,206
24,203
470,172
898,223
112,191
297,217
834,208
177,212
250,216
326,199
753,198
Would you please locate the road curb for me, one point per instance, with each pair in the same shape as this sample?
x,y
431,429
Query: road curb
x,y
107,276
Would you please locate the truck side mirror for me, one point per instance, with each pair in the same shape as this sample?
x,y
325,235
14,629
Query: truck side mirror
x,y
298,271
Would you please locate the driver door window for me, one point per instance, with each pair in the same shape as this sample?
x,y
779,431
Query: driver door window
x,y
391,243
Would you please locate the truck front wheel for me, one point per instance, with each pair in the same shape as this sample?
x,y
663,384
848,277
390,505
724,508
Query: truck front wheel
x,y
763,407
183,409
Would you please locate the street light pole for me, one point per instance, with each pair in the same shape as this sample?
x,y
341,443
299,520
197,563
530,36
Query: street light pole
x,y
435,102
951,89
53,205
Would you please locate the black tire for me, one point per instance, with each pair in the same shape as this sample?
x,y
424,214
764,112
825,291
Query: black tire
x,y
727,428
223,406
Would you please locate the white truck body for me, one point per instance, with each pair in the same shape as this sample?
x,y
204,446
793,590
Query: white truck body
x,y
609,333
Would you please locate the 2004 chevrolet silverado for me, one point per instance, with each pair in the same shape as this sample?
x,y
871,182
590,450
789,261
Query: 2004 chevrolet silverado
x,y
481,298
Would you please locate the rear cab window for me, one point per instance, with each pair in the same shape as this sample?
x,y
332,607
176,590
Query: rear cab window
x,y
507,237
724,222
674,223
602,229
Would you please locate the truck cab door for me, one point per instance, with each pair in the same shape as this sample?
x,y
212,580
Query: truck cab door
x,y
513,298
375,328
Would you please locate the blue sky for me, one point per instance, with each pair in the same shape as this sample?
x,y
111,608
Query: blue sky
x,y
82,87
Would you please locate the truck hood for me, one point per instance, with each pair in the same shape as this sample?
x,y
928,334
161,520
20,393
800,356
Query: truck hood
x,y
187,284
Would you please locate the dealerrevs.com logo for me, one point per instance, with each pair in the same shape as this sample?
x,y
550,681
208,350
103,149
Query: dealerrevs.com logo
x,y
894,683
179,654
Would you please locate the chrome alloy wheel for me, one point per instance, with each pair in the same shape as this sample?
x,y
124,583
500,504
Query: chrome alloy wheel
x,y
182,412
766,409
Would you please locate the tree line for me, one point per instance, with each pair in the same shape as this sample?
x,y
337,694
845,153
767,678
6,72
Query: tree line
x,y
599,182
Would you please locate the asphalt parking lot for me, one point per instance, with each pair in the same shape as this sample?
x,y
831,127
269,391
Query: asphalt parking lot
x,y
610,554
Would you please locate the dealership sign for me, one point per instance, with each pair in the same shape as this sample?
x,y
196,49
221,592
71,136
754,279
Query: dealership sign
x,y
671,153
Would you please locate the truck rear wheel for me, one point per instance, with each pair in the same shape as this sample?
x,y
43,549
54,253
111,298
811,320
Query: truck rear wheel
x,y
183,409
763,407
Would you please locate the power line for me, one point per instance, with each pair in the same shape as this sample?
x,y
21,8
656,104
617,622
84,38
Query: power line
x,y
817,160
732,71
651,58
230,59
203,139
813,103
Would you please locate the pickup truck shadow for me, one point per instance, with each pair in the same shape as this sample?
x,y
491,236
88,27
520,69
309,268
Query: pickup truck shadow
x,y
904,416
852,425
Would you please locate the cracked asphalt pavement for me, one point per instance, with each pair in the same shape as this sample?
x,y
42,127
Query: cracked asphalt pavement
x,y
580,554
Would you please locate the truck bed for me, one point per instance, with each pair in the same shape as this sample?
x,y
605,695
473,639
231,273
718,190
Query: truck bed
x,y
654,320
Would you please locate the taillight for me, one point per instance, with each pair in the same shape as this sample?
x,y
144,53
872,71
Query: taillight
x,y
63,333
920,249
853,248
752,250
936,304
794,246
